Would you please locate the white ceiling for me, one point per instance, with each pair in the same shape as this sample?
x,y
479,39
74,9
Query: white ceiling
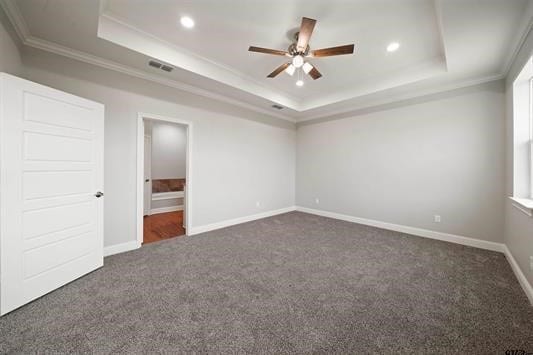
x,y
444,44
224,33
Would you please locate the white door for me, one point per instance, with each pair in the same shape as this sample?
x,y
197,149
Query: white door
x,y
147,175
51,159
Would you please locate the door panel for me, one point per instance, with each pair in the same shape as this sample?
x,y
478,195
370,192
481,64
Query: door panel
x,y
45,184
52,255
51,229
39,146
56,236
54,112
41,222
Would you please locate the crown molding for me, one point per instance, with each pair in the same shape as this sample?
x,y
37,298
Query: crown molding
x,y
13,13
17,20
518,43
440,28
405,97
514,54
15,17
109,16
410,75
111,65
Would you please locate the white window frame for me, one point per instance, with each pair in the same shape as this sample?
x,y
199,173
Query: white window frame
x,y
531,137
522,197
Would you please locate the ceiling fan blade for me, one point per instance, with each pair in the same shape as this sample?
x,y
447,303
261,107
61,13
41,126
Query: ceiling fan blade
x,y
306,30
278,70
314,73
267,51
328,52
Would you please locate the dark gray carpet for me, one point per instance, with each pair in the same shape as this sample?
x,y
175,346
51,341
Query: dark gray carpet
x,y
293,283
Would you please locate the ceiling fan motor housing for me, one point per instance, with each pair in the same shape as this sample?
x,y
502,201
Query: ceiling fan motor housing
x,y
293,51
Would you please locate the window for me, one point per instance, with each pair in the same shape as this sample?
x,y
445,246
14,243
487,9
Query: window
x,y
531,133
523,139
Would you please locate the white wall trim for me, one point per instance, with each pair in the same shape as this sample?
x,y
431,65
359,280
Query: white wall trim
x,y
161,196
524,29
526,286
499,247
408,96
166,209
452,238
440,26
524,205
121,248
13,13
118,30
477,243
111,65
15,17
21,28
232,222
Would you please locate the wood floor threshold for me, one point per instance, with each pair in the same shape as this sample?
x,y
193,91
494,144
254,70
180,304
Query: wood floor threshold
x,y
163,226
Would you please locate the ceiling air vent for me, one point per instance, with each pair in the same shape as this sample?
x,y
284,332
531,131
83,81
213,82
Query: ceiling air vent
x,y
158,65
154,64
277,107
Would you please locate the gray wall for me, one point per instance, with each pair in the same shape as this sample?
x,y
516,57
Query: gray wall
x,y
404,165
10,61
237,159
518,226
169,148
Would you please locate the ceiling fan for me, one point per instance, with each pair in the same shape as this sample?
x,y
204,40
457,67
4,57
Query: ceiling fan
x,y
299,50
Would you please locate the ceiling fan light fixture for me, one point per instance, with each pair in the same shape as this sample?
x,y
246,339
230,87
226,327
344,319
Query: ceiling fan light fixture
x,y
290,70
300,49
298,61
307,67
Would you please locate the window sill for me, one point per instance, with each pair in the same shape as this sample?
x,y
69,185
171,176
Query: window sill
x,y
523,204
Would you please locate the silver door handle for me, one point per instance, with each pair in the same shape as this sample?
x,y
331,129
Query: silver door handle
x,y
99,194
147,180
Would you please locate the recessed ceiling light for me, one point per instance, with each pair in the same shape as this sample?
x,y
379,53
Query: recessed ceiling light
x,y
187,22
393,47
300,83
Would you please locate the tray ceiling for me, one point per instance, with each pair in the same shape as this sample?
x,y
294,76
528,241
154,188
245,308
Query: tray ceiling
x,y
442,44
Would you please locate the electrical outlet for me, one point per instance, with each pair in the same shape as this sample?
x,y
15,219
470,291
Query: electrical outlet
x,y
317,200
437,218
258,204
531,263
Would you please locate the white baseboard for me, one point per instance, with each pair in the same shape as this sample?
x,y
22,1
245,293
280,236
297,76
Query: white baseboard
x,y
232,222
121,248
166,209
526,286
477,243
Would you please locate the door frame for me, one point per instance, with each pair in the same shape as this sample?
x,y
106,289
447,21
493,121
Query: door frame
x,y
144,176
141,116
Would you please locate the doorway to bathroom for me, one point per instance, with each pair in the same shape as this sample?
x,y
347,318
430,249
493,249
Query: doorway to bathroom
x,y
164,191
